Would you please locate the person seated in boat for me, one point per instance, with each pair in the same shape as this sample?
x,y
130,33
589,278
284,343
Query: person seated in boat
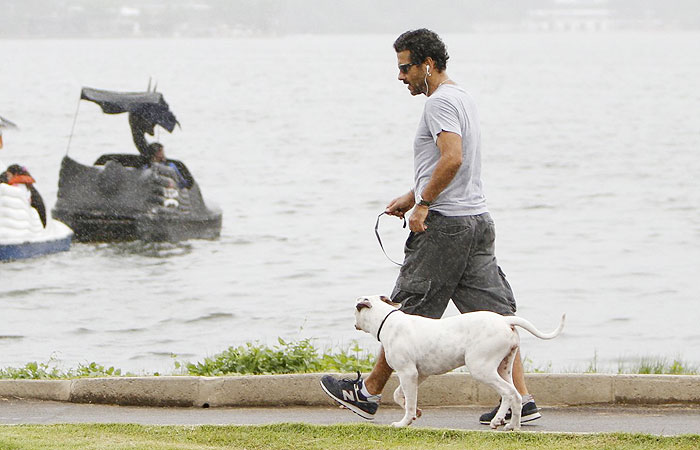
x,y
156,153
15,175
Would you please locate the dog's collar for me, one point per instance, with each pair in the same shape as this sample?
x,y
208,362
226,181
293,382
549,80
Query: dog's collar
x,y
381,325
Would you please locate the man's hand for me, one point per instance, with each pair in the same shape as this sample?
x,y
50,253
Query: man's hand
x,y
417,220
401,205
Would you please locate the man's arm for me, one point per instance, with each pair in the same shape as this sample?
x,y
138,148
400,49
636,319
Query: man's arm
x,y
181,181
450,146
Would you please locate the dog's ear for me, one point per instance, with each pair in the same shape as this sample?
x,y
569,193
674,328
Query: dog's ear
x,y
364,303
388,301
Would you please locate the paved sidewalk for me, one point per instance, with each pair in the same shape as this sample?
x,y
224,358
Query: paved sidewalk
x,y
659,420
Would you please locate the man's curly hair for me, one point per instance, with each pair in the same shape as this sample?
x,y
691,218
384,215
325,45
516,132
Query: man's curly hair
x,y
422,44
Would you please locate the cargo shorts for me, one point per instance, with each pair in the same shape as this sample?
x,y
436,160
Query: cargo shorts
x,y
453,259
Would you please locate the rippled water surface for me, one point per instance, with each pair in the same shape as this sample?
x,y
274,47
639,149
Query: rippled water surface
x,y
591,158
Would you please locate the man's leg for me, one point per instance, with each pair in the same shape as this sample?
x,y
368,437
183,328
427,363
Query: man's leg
x,y
483,287
381,372
423,288
420,289
519,375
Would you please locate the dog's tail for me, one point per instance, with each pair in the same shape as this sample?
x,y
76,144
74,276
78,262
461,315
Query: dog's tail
x,y
522,323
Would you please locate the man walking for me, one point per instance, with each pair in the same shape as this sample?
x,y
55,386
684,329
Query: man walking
x,y
450,252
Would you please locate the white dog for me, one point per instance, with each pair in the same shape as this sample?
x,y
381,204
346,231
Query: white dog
x,y
417,347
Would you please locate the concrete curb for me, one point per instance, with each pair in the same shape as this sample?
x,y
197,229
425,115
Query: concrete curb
x,y
452,389
57,390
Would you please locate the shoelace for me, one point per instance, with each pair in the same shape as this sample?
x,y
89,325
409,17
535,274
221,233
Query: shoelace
x,y
355,381
375,398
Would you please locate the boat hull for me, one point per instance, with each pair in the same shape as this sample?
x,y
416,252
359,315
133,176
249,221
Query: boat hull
x,y
151,228
9,252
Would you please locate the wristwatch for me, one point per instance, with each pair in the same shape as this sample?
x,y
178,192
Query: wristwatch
x,y
422,201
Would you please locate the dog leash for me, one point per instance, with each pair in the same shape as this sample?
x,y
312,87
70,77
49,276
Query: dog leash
x,y
376,232
381,325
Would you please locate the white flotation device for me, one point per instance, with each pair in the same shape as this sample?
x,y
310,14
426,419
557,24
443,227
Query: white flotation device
x,y
20,223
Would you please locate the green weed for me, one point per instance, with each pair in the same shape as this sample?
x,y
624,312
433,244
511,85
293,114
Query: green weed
x,y
658,366
286,357
304,357
50,371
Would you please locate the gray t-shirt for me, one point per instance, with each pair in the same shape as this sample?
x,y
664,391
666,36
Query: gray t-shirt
x,y
451,109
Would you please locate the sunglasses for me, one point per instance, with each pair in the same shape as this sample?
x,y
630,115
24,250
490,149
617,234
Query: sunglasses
x,y
404,67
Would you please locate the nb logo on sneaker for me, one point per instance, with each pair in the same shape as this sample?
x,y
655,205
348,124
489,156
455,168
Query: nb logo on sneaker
x,y
349,395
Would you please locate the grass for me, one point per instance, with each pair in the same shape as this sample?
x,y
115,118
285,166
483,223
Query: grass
x,y
659,366
647,365
644,365
303,357
300,436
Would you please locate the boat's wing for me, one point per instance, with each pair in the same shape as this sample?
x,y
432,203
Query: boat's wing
x,y
146,110
150,106
5,123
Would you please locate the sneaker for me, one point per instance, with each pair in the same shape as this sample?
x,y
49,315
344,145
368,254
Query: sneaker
x,y
529,413
347,393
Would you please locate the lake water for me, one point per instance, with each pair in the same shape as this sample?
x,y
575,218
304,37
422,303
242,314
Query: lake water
x,y
591,159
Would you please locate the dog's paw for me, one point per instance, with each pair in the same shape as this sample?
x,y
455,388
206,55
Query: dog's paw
x,y
497,422
511,427
403,423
